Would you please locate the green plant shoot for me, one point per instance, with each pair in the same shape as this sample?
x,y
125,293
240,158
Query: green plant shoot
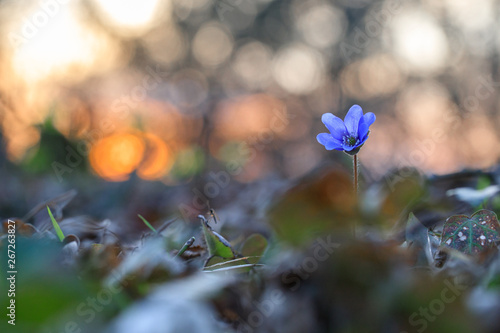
x,y
186,246
147,223
56,226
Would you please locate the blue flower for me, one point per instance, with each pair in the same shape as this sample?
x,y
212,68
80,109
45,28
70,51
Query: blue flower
x,y
348,135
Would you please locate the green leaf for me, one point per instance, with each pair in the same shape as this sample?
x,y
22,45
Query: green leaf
x,y
147,223
254,247
215,260
471,235
58,230
217,245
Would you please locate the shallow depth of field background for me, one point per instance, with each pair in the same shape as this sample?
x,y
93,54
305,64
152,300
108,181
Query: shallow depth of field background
x,y
163,92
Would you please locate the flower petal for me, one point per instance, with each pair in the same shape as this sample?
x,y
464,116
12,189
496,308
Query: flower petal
x,y
352,119
335,125
364,125
329,141
362,129
369,118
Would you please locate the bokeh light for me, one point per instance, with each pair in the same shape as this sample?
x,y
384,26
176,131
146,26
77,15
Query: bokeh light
x,y
298,69
376,76
200,78
250,60
161,38
320,24
420,41
131,17
212,45
115,157
158,158
44,47
241,118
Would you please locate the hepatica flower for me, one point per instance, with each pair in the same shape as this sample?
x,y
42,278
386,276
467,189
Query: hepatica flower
x,y
348,135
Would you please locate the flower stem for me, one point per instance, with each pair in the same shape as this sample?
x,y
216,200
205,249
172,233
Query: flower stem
x,y
355,185
355,172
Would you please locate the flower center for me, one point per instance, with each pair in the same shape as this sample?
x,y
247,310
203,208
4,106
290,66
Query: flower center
x,y
350,141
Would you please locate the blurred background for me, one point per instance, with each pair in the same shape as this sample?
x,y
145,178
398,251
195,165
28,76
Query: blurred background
x,y
138,98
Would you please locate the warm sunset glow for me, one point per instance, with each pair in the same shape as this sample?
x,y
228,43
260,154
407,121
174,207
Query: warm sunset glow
x,y
64,43
158,158
116,156
21,139
167,122
172,74
240,118
483,141
131,16
423,107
